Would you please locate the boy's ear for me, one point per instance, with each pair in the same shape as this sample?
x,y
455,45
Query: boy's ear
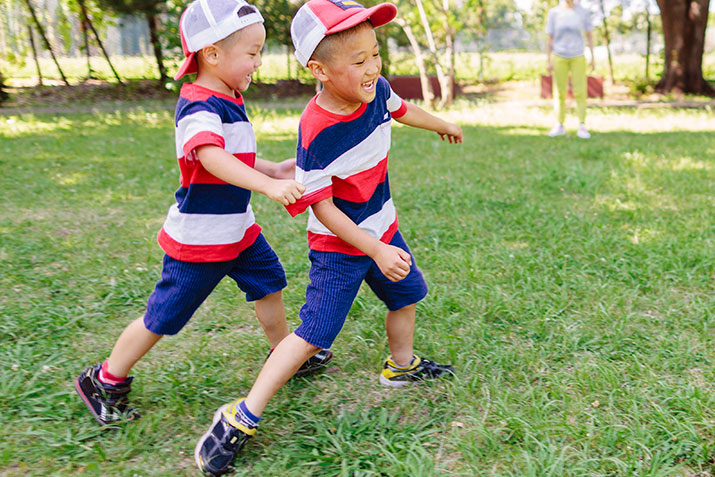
x,y
210,54
317,69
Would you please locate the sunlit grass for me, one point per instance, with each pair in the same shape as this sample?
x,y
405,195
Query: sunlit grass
x,y
571,284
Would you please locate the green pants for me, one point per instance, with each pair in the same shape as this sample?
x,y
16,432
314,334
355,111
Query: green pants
x,y
577,68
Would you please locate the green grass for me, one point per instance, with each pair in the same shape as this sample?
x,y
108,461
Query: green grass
x,y
571,285
498,66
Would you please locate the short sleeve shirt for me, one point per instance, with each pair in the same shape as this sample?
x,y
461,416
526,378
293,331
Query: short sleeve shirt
x,y
212,220
345,157
567,26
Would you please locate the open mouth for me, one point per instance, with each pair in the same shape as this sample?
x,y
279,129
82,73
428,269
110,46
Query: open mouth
x,y
368,85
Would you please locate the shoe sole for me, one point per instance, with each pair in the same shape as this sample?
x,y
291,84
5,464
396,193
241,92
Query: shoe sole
x,y
393,384
197,449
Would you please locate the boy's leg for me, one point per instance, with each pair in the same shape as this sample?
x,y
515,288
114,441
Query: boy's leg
x,y
134,342
181,290
233,424
335,280
281,365
401,298
400,327
259,274
270,312
271,315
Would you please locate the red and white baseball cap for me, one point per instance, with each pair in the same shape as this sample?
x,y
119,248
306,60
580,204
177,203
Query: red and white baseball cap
x,y
317,19
204,22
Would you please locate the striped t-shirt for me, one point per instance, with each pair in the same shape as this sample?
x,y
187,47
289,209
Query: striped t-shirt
x,y
212,220
345,157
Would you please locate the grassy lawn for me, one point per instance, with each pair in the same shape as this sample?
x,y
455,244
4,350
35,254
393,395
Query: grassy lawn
x,y
572,285
498,66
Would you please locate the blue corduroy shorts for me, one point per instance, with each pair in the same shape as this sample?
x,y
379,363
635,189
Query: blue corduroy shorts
x,y
185,285
335,280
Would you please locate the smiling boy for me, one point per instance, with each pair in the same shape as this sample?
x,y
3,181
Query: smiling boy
x,y
343,146
210,232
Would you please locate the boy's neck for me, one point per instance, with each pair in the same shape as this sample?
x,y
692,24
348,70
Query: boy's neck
x,y
333,103
214,84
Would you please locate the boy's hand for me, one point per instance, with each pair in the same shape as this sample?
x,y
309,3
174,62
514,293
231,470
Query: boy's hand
x,y
393,262
453,133
285,191
285,169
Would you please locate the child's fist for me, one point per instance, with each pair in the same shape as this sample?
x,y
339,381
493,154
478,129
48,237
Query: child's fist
x,y
285,191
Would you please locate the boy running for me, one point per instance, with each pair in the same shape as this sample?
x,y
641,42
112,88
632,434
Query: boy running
x,y
210,232
343,146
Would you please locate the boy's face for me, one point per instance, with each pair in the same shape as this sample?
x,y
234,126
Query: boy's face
x,y
352,72
240,58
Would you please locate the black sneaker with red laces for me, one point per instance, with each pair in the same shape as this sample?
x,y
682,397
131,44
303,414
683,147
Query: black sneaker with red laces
x,y
108,403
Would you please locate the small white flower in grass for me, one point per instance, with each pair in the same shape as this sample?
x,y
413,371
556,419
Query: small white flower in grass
x,y
15,367
457,424
45,368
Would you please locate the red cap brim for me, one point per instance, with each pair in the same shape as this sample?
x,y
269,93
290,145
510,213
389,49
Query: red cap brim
x,y
378,16
189,66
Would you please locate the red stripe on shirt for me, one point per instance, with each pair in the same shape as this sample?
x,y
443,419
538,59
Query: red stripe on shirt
x,y
204,138
401,111
207,253
323,120
331,243
360,187
197,174
309,199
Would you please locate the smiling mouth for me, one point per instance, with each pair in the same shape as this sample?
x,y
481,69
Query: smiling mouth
x,y
368,84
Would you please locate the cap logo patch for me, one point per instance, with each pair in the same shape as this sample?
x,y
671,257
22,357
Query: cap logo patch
x,y
345,4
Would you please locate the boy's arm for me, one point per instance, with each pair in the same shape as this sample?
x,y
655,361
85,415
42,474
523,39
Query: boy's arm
x,y
393,262
277,170
227,168
419,118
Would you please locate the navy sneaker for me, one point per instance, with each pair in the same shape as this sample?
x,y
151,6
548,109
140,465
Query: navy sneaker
x,y
315,364
108,403
419,370
218,447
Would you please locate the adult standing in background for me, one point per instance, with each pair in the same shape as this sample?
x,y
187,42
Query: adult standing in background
x,y
567,24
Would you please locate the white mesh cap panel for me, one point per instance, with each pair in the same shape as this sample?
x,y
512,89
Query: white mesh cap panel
x,y
207,22
306,31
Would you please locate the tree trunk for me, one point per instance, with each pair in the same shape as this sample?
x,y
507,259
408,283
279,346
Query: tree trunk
x,y
427,93
607,37
441,77
85,40
85,19
448,86
156,43
34,55
684,24
647,45
46,41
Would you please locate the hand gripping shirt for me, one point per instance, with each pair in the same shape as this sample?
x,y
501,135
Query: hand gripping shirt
x,y
212,220
345,157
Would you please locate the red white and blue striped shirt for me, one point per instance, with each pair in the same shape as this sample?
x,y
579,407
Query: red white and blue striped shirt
x,y
345,157
212,220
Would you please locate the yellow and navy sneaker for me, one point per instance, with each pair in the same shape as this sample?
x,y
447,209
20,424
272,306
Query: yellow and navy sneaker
x,y
218,447
108,403
418,370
